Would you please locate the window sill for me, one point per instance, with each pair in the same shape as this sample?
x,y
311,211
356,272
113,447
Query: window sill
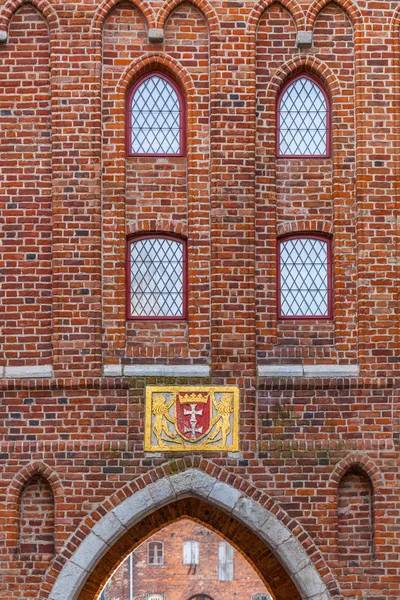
x,y
156,371
331,371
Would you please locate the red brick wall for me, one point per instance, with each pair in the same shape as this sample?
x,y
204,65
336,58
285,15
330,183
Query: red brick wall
x,y
68,199
25,193
176,581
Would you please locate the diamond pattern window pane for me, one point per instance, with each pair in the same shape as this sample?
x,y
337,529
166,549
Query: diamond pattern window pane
x,y
304,283
156,274
155,118
303,116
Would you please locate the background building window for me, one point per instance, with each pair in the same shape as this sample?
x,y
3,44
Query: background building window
x,y
156,278
156,118
304,277
261,596
303,119
225,561
191,552
155,553
155,597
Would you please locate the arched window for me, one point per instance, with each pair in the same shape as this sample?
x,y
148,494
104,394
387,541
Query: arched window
x,y
157,278
155,109
303,119
304,277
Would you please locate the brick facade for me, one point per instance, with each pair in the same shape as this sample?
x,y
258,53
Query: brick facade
x,y
319,401
175,581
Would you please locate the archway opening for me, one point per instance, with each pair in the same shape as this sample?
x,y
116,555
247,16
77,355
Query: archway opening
x,y
246,542
185,560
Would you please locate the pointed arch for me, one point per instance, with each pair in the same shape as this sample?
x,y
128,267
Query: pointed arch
x,y
152,61
204,6
298,64
44,7
292,6
348,6
29,471
363,462
395,23
17,485
106,6
175,491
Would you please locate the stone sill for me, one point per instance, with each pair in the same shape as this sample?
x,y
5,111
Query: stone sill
x,y
156,371
332,370
28,372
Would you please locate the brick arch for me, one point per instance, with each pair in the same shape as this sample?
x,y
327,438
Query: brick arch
x,y
107,6
272,541
299,226
18,484
163,226
363,462
292,6
204,6
44,7
348,7
296,65
395,24
153,61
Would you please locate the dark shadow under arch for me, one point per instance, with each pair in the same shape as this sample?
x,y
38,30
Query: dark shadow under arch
x,y
245,541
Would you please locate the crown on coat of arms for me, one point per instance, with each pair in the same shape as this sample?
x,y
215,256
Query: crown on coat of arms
x,y
192,398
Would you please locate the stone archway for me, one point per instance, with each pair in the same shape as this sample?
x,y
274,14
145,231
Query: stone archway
x,y
269,545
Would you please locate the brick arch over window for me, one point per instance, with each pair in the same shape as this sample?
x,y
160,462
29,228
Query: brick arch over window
x,y
307,64
348,6
296,66
258,10
267,536
204,6
44,7
152,62
107,6
305,225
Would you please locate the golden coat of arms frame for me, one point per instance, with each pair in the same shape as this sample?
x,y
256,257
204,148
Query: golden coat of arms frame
x,y
189,418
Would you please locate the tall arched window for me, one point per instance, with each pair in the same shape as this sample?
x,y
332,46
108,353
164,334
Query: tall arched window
x,y
303,119
157,277
156,119
304,277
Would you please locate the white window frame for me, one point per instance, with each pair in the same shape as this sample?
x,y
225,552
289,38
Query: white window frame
x,y
155,564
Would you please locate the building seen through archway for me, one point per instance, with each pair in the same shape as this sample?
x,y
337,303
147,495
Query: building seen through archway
x,y
185,561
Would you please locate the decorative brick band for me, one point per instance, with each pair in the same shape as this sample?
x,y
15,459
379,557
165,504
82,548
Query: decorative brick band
x,y
156,371
329,370
29,372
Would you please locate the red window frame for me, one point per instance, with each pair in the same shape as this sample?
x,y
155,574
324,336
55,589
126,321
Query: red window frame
x,y
288,83
165,236
315,236
128,116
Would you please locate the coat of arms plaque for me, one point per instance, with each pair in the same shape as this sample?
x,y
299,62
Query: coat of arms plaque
x,y
182,418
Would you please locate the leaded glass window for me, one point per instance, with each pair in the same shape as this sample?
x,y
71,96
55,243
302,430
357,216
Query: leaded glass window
x,y
304,277
303,119
155,117
157,278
